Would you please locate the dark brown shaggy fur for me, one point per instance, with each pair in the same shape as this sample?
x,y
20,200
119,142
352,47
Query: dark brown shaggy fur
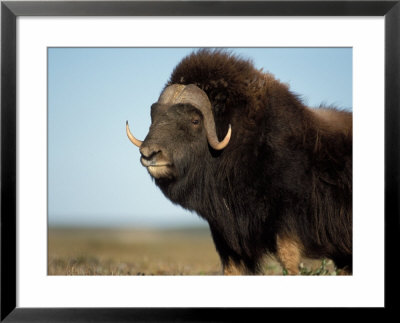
x,y
283,184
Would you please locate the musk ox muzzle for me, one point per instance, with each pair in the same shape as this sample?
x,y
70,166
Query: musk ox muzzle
x,y
190,94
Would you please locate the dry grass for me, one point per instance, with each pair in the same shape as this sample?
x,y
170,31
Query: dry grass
x,y
145,252
131,252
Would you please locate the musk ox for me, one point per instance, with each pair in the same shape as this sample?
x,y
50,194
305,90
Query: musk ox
x,y
269,174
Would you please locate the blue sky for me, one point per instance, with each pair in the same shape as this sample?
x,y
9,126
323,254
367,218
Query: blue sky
x,y
94,174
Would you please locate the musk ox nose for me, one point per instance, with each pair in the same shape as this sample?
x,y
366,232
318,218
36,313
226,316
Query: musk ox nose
x,y
149,152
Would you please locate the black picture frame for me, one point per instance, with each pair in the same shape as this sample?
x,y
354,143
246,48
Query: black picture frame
x,y
10,10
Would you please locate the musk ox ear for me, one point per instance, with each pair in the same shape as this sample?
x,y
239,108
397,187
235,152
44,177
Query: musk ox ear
x,y
192,94
131,137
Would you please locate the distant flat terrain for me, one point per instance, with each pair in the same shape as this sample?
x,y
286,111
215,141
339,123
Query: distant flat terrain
x,y
141,252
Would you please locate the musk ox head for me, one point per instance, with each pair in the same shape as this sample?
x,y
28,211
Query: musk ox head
x,y
182,124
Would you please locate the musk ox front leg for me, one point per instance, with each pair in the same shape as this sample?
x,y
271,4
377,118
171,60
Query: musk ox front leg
x,y
229,265
231,268
232,258
289,253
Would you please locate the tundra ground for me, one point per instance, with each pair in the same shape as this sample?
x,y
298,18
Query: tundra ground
x,y
145,252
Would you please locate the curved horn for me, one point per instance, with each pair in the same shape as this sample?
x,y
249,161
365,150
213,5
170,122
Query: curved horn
x,y
192,94
171,94
219,145
135,141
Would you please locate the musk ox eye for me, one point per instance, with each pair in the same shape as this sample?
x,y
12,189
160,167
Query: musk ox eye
x,y
196,122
